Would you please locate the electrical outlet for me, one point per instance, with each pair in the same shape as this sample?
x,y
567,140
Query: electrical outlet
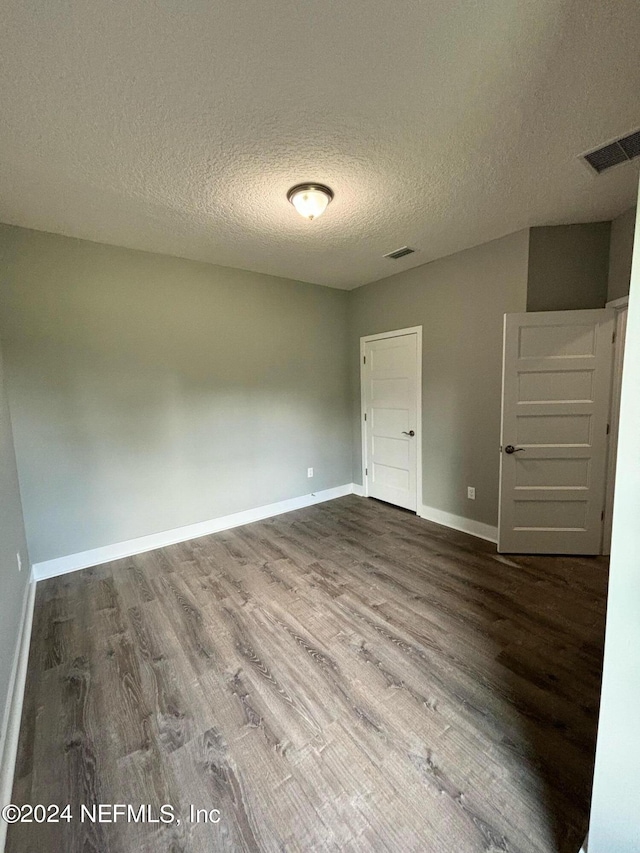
x,y
309,472
471,493
19,559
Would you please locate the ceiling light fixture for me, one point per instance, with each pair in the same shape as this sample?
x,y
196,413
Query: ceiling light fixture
x,y
310,200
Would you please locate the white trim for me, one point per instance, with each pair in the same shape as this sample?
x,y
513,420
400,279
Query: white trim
x,y
397,333
459,522
500,459
622,302
120,550
363,432
614,422
358,490
13,710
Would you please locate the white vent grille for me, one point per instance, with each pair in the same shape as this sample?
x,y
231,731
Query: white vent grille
x,y
399,253
614,153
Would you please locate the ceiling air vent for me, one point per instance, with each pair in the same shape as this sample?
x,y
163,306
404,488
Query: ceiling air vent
x,y
399,253
620,151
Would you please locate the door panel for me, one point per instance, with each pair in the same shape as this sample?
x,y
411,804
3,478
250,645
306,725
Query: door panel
x,y
390,421
555,473
392,391
553,430
555,406
556,341
394,451
555,386
389,377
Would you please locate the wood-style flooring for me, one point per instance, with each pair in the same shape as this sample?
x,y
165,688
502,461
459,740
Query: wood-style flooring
x,y
346,677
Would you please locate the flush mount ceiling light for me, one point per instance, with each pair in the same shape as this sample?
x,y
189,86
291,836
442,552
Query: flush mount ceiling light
x,y
310,200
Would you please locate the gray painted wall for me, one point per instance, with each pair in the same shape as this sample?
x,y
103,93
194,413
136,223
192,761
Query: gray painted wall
x,y
615,817
460,302
12,540
149,392
620,254
568,267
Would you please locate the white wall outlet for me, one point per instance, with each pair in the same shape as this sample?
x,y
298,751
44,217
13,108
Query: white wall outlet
x,y
19,559
309,472
471,493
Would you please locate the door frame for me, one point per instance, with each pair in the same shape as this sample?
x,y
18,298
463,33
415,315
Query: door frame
x,y
396,333
620,306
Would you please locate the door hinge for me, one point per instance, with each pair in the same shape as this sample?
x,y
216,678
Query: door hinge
x,y
366,472
608,428
365,416
613,338
364,359
602,516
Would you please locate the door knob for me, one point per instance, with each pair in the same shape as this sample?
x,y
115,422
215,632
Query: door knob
x,y
411,433
511,449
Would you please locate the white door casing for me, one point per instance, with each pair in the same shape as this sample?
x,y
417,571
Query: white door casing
x,y
556,387
614,419
391,368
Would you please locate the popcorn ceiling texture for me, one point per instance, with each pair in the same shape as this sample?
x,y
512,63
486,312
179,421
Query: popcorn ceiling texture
x,y
178,127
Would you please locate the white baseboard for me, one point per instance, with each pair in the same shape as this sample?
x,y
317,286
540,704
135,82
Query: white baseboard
x,y
458,522
120,550
13,710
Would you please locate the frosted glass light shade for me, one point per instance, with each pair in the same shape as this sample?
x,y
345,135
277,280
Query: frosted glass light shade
x,y
310,200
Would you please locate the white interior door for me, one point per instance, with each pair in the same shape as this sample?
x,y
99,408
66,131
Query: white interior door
x,y
556,386
390,391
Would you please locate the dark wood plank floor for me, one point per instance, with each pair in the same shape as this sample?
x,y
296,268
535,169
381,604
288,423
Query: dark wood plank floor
x,y
345,677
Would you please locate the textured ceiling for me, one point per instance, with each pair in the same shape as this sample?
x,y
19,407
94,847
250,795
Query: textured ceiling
x,y
178,127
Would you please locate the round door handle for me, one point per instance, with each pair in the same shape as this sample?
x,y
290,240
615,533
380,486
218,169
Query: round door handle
x,y
411,433
511,449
